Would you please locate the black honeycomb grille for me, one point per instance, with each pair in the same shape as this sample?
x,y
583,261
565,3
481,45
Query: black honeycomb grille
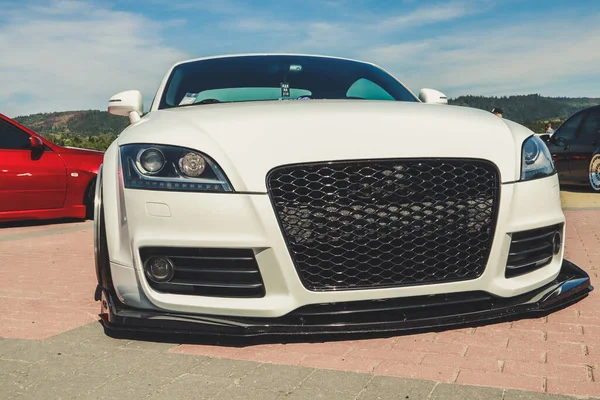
x,y
372,224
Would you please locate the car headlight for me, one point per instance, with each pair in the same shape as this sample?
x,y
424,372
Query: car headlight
x,y
536,160
162,167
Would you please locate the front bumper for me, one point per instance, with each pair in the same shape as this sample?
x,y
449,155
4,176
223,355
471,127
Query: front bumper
x,y
430,312
136,219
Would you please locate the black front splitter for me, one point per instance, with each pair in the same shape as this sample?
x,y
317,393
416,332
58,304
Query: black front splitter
x,y
399,315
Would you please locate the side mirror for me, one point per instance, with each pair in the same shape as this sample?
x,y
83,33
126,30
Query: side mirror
x,y
545,137
127,104
36,142
432,96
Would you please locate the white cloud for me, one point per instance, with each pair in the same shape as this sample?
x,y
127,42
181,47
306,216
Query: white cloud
x,y
510,59
75,55
256,25
70,55
431,14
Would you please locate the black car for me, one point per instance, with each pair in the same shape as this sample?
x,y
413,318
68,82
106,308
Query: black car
x,y
575,148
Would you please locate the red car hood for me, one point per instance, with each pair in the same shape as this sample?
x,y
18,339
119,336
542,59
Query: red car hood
x,y
78,151
83,160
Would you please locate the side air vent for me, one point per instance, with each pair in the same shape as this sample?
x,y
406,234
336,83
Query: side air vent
x,y
533,249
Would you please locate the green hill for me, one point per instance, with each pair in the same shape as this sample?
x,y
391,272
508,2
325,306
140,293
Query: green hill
x,y
531,110
91,129
96,129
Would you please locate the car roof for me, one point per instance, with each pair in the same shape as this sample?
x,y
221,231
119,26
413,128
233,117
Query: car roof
x,y
597,106
271,54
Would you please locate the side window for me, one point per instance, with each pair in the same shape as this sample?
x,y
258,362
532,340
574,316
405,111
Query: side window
x,y
365,89
568,130
590,128
13,138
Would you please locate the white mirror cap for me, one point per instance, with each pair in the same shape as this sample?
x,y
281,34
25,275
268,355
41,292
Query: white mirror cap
x,y
124,103
432,96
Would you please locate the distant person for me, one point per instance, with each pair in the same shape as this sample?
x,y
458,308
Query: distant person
x,y
549,128
497,112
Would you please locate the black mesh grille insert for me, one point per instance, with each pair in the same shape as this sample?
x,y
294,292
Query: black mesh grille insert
x,y
368,224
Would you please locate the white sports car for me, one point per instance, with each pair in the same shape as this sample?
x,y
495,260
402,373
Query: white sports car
x,y
295,194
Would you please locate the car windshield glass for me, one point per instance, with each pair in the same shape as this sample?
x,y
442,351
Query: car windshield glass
x,y
259,78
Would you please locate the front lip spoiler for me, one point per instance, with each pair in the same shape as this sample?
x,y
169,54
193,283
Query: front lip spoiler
x,y
410,315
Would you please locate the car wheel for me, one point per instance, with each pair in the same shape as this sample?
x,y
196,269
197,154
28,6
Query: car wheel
x,y
100,244
595,172
90,195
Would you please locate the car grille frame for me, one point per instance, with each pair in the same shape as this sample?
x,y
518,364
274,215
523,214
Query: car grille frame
x,y
493,197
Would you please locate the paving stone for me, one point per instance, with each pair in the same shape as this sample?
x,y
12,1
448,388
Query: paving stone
x,y
245,393
446,391
10,382
383,388
9,345
281,378
519,395
336,381
67,386
117,364
168,365
11,366
31,352
129,386
191,386
37,374
91,331
225,368
65,362
313,393
147,346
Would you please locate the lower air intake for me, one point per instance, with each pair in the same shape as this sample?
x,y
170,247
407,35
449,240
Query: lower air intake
x,y
533,249
208,272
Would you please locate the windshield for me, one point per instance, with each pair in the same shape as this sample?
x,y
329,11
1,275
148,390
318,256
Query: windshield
x,y
273,77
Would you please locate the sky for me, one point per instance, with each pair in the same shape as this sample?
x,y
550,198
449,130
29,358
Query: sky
x,y
60,55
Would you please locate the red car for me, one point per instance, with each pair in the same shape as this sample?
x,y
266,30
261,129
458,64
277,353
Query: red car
x,y
41,180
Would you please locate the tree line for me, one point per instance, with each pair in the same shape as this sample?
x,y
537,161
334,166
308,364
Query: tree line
x,y
95,129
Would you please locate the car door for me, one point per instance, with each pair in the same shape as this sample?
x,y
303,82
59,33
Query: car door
x,y
584,144
30,179
560,145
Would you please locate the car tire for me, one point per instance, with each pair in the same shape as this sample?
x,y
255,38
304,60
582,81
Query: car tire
x,y
100,244
594,175
88,201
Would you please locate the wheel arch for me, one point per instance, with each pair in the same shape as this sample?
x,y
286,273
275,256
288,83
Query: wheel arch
x,y
101,256
594,171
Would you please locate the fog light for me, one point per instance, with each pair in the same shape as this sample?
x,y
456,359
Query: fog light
x,y
556,243
159,269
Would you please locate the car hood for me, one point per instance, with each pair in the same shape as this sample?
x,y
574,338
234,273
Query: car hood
x,y
81,159
81,152
249,139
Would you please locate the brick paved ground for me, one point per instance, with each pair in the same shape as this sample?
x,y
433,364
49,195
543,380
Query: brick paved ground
x,y
46,289
555,354
84,364
47,280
